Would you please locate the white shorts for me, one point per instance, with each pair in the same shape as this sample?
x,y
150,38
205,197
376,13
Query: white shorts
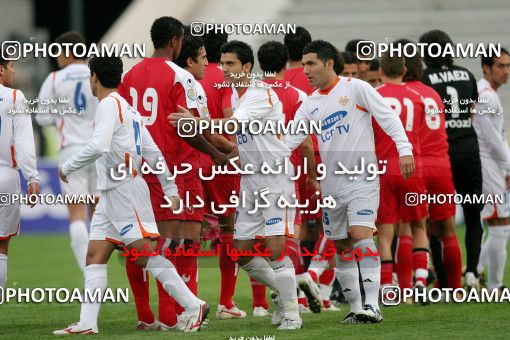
x,y
81,182
270,221
124,214
356,207
10,211
494,183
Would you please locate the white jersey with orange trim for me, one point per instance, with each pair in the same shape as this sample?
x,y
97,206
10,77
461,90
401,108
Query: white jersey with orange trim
x,y
17,149
70,84
489,126
345,112
259,103
120,138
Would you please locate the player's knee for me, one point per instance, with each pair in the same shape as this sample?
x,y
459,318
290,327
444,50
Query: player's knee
x,y
357,233
343,245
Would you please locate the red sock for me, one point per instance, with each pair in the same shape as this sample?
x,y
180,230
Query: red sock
x,y
259,294
228,269
166,304
386,272
302,301
421,265
327,277
325,248
452,261
404,261
140,288
295,256
187,267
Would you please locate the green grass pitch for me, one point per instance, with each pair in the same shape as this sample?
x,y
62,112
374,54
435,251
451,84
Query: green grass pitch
x,y
46,261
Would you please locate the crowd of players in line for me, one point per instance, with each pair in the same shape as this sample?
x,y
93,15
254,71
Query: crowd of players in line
x,y
136,115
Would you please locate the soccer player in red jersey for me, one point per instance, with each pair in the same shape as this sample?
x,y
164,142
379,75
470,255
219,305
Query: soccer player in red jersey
x,y
219,190
394,190
273,57
437,177
155,87
295,43
294,74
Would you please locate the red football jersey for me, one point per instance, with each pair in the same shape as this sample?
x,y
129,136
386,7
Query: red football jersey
x,y
297,78
433,138
411,110
218,99
154,87
291,101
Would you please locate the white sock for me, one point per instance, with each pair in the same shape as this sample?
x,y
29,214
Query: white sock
x,y
326,290
347,275
484,258
164,271
261,271
79,241
285,277
496,251
3,270
370,271
95,278
318,267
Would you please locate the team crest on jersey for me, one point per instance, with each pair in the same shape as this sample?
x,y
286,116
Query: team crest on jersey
x,y
201,99
205,112
192,95
344,100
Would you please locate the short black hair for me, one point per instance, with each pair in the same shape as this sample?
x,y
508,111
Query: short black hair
x,y
164,29
374,65
325,51
273,56
489,61
392,67
73,38
441,38
295,42
413,64
242,50
107,69
190,47
352,46
3,48
212,44
348,58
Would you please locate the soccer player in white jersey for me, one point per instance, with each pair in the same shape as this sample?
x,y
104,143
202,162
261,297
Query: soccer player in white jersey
x,y
344,107
495,156
18,152
75,130
256,101
124,213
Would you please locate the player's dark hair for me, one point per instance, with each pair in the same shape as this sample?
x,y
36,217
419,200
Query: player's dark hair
x,y
164,29
325,51
347,58
107,69
351,45
413,64
393,67
295,42
190,47
374,65
73,38
212,44
273,56
241,49
441,38
489,61
3,48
